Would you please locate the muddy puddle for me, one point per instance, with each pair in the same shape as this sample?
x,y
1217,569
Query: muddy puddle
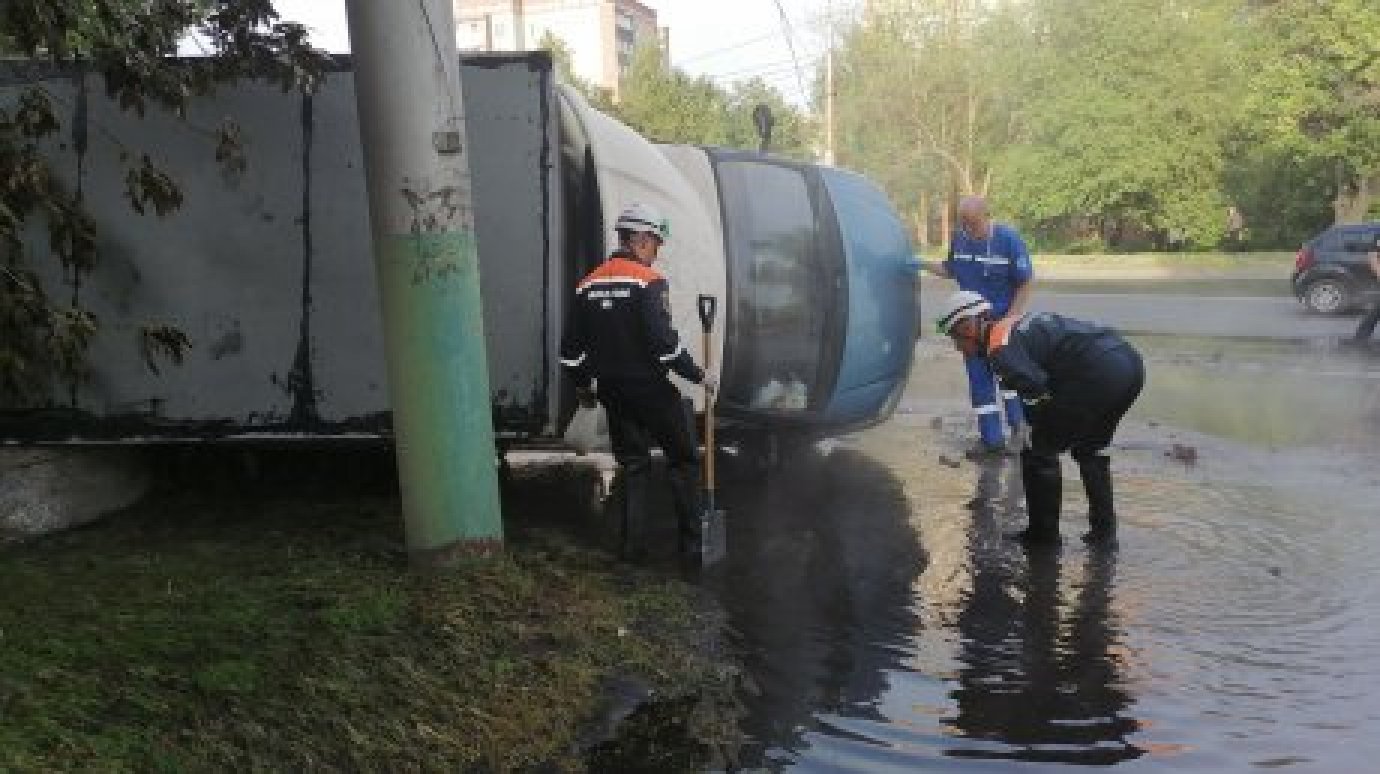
x,y
887,625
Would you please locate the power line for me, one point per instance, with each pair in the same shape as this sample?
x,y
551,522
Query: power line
x,y
790,43
749,69
726,49
784,82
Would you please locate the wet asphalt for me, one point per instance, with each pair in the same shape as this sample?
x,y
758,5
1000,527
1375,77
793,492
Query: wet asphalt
x,y
1255,309
887,625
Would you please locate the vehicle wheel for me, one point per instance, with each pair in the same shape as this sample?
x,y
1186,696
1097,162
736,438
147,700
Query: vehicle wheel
x,y
1327,296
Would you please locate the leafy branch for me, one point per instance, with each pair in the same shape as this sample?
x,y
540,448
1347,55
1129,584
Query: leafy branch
x,y
131,45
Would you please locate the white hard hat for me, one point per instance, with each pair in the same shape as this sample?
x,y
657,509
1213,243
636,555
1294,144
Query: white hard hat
x,y
963,303
641,217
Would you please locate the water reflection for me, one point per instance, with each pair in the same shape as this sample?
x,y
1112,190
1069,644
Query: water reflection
x,y
893,629
818,582
1039,679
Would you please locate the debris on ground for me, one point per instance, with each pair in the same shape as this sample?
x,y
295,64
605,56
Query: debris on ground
x,y
1188,455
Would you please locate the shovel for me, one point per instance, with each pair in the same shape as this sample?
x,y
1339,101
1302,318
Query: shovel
x,y
713,532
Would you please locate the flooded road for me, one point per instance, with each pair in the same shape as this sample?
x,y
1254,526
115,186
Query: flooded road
x,y
888,626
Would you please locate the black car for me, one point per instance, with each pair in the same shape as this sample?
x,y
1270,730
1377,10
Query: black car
x,y
1332,272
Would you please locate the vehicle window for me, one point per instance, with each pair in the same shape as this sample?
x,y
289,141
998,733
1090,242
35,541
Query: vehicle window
x,y
1331,240
778,286
1356,240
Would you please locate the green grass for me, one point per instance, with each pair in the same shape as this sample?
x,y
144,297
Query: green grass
x,y
287,635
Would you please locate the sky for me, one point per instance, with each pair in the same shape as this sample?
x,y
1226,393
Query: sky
x,y
726,40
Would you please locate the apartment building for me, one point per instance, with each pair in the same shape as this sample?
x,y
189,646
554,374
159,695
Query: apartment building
x,y
601,34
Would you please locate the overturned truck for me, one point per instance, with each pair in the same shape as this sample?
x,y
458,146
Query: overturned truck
x,y
267,266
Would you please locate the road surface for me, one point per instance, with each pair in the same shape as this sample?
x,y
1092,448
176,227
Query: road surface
x,y
1186,315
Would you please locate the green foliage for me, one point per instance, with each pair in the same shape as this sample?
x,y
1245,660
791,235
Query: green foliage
x,y
130,44
1124,127
873,130
1315,101
925,96
792,130
665,104
563,60
1122,123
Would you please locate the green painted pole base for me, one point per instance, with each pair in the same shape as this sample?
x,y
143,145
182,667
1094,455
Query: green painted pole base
x,y
439,388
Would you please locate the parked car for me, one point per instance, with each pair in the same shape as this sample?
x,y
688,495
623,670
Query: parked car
x,y
1332,274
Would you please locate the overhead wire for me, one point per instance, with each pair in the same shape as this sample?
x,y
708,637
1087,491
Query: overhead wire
x,y
790,43
727,49
784,64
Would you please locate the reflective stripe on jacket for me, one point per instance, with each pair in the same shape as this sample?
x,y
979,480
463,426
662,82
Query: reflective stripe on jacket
x,y
620,326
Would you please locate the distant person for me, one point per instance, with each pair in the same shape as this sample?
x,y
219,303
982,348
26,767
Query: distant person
x,y
1077,381
989,259
1236,226
1367,327
620,339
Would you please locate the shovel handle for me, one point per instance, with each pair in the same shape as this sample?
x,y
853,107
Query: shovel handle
x,y
708,305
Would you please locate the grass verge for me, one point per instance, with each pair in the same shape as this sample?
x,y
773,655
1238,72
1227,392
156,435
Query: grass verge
x,y
255,633
1255,260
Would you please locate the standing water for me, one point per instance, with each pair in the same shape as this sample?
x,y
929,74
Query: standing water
x,y
887,625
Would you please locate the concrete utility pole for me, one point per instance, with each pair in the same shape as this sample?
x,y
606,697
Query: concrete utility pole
x,y
407,82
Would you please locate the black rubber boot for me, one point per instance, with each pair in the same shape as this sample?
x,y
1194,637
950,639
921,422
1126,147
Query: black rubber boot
x,y
632,506
1044,491
1096,471
685,493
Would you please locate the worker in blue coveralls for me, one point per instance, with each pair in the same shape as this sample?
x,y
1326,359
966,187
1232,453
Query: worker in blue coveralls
x,y
989,259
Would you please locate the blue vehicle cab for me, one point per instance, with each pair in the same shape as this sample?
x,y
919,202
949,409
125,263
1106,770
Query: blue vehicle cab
x,y
822,312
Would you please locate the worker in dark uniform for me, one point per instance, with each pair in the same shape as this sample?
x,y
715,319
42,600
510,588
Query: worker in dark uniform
x,y
1077,380
620,339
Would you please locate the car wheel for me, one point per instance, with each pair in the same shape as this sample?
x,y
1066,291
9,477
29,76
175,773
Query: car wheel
x,y
1327,296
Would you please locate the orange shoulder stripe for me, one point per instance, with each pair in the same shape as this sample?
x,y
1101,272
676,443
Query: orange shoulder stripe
x,y
1000,335
627,268
616,269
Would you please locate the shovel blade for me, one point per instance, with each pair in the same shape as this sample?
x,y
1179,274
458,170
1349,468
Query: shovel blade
x,y
713,537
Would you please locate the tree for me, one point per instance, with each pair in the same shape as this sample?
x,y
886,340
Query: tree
x,y
923,100
1125,108
665,104
1315,97
792,130
564,62
131,45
